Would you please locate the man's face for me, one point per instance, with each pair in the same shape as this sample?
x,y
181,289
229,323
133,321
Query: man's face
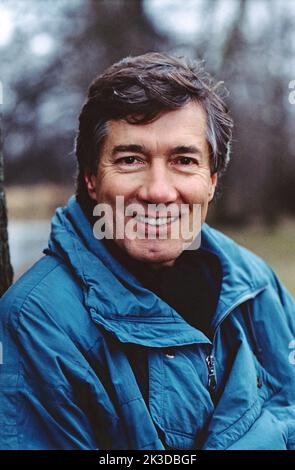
x,y
164,162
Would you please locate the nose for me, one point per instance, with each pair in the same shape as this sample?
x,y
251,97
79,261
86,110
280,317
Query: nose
x,y
157,186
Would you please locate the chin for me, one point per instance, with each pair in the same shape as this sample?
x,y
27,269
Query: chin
x,y
158,252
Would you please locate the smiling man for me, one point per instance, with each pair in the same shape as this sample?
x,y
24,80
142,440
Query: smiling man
x,y
143,327
158,165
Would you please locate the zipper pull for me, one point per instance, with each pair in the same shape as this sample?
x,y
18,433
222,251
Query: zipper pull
x,y
211,373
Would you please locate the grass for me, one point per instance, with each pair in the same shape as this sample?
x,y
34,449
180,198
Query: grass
x,y
38,201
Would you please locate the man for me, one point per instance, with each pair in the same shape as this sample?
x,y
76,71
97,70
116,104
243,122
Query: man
x,y
145,340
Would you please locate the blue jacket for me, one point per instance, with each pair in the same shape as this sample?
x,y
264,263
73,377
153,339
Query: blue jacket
x,y
72,323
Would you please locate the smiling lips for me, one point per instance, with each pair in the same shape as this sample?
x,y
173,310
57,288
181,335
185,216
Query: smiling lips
x,y
156,221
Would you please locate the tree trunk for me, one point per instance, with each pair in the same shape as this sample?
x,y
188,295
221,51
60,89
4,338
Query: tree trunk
x,y
6,272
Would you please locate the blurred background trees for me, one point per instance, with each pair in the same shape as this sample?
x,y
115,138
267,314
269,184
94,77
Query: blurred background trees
x,y
55,48
50,50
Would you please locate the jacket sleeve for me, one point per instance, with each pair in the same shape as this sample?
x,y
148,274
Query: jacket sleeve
x,y
50,398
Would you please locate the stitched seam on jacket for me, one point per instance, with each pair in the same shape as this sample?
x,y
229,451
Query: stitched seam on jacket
x,y
131,400
18,312
150,443
260,400
75,245
174,431
215,438
179,433
153,402
139,319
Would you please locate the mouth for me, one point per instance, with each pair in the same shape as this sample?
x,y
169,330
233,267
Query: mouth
x,y
155,221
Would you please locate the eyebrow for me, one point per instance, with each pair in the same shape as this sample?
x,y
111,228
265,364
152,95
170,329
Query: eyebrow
x,y
186,149
183,149
133,148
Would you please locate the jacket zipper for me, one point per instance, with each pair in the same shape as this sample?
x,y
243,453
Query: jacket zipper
x,y
210,361
211,373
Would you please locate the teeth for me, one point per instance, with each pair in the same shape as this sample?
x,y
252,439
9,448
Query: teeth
x,y
154,220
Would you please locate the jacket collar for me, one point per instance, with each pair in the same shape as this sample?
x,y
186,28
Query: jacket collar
x,y
119,303
244,274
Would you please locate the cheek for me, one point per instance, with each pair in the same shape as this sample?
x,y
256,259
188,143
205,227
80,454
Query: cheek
x,y
197,191
111,185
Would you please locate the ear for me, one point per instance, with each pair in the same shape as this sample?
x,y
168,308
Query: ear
x,y
212,186
90,181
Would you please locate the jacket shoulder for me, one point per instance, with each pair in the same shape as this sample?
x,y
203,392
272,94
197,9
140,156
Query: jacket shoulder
x,y
252,269
48,283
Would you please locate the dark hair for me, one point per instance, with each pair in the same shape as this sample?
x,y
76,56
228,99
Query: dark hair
x,y
138,89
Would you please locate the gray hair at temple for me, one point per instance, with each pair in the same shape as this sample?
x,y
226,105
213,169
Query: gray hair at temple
x,y
138,89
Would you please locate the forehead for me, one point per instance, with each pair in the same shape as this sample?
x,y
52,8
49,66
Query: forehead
x,y
186,125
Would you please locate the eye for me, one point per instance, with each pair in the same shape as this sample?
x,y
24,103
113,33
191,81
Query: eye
x,y
129,163
128,160
186,161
